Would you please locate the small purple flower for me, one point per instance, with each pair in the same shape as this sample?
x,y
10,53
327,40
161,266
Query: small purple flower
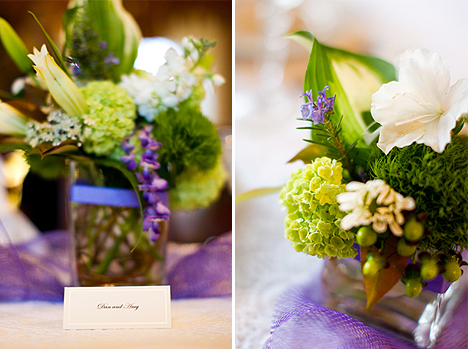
x,y
126,146
316,111
148,159
103,44
110,59
130,161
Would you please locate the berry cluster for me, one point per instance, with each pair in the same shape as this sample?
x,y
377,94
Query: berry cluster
x,y
151,184
428,267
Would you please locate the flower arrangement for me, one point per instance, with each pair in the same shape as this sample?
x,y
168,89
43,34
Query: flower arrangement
x,y
385,171
87,103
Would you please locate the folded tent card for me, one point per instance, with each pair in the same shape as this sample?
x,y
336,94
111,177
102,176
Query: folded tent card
x,y
117,307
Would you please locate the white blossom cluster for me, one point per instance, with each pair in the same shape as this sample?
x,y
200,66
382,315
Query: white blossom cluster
x,y
58,128
376,203
173,84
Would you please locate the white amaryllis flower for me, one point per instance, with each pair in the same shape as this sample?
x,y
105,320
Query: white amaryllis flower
x,y
421,106
61,87
376,203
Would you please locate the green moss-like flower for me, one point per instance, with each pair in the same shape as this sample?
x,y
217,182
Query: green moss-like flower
x,y
438,182
196,189
313,218
189,140
110,118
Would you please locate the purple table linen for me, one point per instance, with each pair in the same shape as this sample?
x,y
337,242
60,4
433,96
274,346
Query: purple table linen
x,y
40,268
301,322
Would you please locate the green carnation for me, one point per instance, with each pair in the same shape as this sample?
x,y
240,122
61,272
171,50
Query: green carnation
x,y
196,189
313,218
438,182
110,118
189,140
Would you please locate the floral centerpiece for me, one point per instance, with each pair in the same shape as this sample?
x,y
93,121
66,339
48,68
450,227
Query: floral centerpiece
x,y
138,135
385,169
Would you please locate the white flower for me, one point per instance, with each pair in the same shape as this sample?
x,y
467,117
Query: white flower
x,y
61,87
421,107
376,203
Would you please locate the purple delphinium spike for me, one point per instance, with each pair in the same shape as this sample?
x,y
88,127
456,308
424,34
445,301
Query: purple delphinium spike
x,y
150,183
316,111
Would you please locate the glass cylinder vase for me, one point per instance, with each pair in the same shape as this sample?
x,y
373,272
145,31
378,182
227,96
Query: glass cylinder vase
x,y
109,246
420,319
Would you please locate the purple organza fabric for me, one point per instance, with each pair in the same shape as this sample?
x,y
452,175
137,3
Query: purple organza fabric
x,y
40,268
301,322
204,273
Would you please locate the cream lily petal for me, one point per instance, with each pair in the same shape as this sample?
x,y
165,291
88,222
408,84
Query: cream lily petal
x,y
61,87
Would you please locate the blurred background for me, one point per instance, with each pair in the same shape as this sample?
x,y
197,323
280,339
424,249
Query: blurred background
x,y
269,80
43,201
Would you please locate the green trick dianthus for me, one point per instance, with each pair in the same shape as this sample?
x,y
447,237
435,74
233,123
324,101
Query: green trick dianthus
x,y
438,182
195,189
110,118
189,140
313,217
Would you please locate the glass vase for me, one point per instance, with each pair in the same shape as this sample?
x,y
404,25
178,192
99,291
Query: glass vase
x,y
420,319
105,222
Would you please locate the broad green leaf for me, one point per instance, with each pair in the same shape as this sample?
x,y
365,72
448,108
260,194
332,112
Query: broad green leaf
x,y
10,144
252,194
351,77
310,153
114,25
14,46
57,53
378,285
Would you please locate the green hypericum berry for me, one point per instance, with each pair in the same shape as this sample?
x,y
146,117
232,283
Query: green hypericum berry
x,y
404,249
366,236
452,271
413,287
371,268
373,264
429,270
413,230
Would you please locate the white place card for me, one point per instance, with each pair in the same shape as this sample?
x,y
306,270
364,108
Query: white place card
x,y
117,307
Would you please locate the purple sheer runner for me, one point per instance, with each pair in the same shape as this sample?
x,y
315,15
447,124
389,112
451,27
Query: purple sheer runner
x,y
301,322
40,268
204,273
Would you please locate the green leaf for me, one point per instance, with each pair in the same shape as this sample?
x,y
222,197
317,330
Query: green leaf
x,y
310,153
351,77
252,194
10,144
378,285
15,47
54,47
114,25
46,149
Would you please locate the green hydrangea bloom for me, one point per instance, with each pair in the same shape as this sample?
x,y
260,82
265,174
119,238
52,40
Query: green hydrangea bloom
x,y
110,118
313,218
196,189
